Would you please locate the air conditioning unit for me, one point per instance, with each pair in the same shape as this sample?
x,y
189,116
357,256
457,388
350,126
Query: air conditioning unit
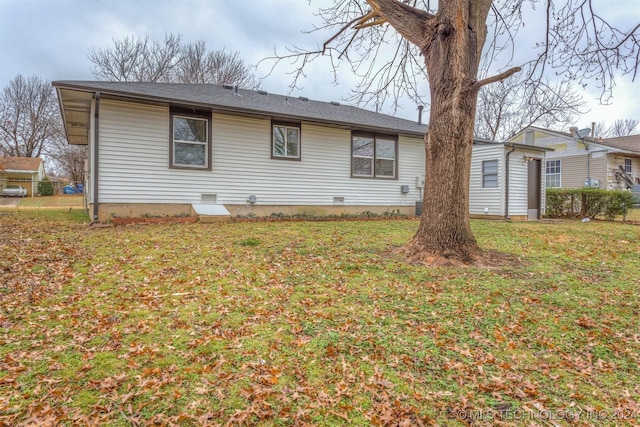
x,y
420,181
592,183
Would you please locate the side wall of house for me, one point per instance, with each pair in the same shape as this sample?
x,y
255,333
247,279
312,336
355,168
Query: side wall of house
x,y
519,185
134,165
574,171
486,201
491,202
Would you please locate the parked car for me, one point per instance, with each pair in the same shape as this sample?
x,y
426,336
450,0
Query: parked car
x,y
14,191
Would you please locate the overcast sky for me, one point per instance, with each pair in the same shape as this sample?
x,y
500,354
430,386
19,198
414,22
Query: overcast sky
x,y
51,39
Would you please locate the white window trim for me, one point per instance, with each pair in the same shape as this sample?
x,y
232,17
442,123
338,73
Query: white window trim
x,y
546,175
497,173
630,170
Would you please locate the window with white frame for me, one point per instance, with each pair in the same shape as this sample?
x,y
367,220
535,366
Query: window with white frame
x,y
490,173
553,173
285,141
627,165
190,141
373,156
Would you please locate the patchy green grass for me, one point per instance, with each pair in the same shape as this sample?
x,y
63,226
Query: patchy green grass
x,y
312,323
61,202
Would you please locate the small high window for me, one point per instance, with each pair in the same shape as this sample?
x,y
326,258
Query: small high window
x,y
285,141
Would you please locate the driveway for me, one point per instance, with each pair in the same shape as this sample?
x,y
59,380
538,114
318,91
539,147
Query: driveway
x,y
10,202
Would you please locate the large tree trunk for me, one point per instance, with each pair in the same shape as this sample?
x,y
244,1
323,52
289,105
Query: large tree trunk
x,y
452,45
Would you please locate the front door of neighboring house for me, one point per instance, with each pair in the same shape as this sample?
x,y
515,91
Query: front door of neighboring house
x,y
534,191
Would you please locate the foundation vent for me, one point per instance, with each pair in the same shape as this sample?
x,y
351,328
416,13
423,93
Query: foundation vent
x,y
338,201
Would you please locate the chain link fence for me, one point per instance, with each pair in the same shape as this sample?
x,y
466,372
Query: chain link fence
x,y
25,194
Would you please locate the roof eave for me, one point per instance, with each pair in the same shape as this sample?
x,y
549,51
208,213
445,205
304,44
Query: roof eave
x,y
223,109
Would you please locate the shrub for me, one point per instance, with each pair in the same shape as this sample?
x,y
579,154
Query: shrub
x,y
45,187
587,202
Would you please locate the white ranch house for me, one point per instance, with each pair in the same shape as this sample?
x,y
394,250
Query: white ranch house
x,y
217,151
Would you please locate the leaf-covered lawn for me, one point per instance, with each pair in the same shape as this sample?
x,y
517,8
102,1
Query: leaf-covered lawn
x,y
313,323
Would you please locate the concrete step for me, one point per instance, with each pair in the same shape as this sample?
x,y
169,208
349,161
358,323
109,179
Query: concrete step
x,y
211,212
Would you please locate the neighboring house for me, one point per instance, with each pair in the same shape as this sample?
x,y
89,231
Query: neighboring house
x,y
24,171
612,163
507,180
185,149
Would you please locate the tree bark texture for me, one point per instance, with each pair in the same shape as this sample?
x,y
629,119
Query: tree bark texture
x,y
451,43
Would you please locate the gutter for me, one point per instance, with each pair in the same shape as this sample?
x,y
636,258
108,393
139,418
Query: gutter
x,y
506,184
96,135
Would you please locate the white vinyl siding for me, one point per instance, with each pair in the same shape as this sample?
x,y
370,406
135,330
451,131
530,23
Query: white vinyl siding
x,y
134,153
482,198
518,184
491,201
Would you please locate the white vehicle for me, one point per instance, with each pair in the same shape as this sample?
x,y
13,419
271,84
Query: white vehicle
x,y
14,191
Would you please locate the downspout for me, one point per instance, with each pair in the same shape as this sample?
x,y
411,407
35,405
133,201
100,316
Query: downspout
x,y
96,134
506,183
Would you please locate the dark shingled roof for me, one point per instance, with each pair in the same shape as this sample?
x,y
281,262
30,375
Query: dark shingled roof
x,y
225,99
628,143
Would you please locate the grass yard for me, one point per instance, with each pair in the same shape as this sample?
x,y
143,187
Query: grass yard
x,y
312,323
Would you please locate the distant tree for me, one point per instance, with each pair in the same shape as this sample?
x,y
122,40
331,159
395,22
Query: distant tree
x,y
392,45
199,65
142,60
67,160
29,117
510,105
620,127
623,127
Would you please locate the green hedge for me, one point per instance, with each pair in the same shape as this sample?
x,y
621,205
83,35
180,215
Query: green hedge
x,y
45,187
587,203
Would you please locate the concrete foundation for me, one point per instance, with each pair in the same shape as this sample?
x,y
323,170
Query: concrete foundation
x,y
108,211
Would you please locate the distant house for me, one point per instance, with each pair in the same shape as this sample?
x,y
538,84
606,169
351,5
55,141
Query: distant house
x,y
612,163
24,171
211,150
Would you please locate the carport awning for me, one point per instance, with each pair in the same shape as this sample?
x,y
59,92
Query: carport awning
x,y
76,114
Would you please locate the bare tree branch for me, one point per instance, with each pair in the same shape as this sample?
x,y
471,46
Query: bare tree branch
x,y
510,105
29,117
496,78
172,60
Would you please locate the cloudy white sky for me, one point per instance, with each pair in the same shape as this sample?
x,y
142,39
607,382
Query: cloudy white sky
x,y
51,38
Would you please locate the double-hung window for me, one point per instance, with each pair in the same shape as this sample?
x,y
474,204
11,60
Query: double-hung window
x,y
285,142
553,173
489,173
190,141
627,165
374,156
